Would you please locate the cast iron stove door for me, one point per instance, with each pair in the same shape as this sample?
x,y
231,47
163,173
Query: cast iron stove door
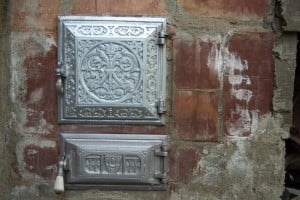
x,y
111,70
115,161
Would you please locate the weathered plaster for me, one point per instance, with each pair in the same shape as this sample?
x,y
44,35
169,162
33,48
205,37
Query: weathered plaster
x,y
240,167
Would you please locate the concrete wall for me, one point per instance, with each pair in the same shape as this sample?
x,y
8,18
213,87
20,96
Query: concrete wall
x,y
228,103
6,130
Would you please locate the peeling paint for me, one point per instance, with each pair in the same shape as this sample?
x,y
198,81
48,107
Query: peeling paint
x,y
22,46
20,147
245,122
239,79
241,94
36,95
228,64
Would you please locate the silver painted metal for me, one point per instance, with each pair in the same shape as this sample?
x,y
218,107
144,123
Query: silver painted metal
x,y
115,161
114,69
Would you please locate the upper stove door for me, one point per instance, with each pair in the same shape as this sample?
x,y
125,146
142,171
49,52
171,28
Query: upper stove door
x,y
111,70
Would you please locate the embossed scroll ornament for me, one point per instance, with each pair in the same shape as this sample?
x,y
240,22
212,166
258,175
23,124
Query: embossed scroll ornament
x,y
112,70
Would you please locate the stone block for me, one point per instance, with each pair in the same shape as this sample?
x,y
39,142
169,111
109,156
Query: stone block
x,y
291,15
80,7
285,69
222,8
131,7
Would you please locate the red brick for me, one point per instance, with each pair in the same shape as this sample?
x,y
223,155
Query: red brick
x,y
34,15
187,163
173,163
40,83
130,129
87,7
221,8
196,115
256,50
191,65
183,164
131,7
259,103
41,160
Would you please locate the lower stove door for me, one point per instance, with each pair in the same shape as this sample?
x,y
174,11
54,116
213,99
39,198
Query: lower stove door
x,y
115,161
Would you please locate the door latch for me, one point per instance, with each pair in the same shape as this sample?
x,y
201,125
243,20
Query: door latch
x,y
61,75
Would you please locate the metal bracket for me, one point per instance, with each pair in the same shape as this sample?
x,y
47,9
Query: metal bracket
x,y
63,164
59,185
161,40
162,151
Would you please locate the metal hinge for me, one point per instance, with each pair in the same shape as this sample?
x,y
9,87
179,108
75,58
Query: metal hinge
x,y
162,152
61,75
161,38
161,107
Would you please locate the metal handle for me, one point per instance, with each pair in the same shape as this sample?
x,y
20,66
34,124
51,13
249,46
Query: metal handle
x,y
60,73
59,185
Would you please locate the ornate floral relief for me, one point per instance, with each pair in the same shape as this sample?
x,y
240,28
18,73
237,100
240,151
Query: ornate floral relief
x,y
137,47
83,46
70,72
110,72
152,71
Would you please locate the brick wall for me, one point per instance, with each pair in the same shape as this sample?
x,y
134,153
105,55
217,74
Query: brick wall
x,y
225,143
